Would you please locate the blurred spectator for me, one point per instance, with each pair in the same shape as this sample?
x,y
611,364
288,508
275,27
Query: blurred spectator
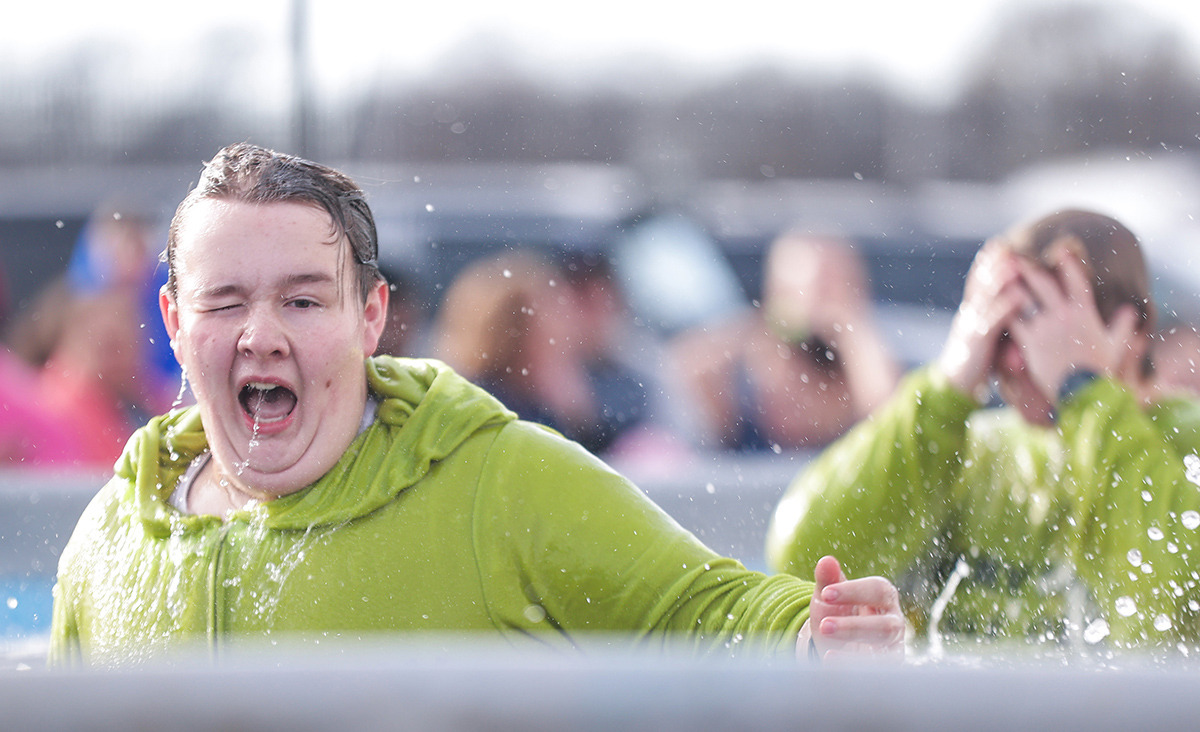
x,y
90,337
406,314
29,433
115,250
607,348
93,377
515,325
1176,358
800,370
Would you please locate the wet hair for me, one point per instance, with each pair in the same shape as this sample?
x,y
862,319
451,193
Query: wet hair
x,y
252,174
1109,249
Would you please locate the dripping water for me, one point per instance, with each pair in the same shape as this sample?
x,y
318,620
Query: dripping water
x,y
183,386
243,464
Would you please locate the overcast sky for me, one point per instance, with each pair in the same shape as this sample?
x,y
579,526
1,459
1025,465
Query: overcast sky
x,y
921,43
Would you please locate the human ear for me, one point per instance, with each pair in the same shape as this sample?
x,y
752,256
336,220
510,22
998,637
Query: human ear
x,y
1126,331
170,316
375,316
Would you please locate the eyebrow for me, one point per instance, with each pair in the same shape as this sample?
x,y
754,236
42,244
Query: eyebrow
x,y
305,278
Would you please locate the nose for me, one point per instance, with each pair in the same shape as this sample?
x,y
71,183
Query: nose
x,y
263,334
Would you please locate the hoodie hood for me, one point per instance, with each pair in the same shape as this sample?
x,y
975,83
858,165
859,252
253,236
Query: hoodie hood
x,y
425,412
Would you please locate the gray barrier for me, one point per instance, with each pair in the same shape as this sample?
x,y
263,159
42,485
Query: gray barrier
x,y
405,687
401,685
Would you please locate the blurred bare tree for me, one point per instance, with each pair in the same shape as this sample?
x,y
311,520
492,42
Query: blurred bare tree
x,y
1069,78
1050,81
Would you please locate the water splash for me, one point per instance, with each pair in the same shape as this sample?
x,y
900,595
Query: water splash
x,y
1190,519
264,598
1096,631
1191,465
961,571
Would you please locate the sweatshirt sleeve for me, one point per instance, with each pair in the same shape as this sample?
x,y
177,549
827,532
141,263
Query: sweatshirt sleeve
x,y
1135,534
877,497
566,543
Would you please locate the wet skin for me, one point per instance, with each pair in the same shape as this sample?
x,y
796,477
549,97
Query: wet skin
x,y
270,326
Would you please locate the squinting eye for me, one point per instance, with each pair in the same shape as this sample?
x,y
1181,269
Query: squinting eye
x,y
303,303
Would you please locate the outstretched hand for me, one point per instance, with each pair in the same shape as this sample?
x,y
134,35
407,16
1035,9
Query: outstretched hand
x,y
852,617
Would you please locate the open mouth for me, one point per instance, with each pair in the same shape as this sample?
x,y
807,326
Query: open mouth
x,y
266,402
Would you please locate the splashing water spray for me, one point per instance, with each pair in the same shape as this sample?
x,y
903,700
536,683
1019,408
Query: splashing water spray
x,y
961,571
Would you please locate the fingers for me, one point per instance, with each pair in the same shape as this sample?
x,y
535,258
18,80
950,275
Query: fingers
x,y
993,297
873,630
994,267
1073,285
1076,280
1041,285
871,592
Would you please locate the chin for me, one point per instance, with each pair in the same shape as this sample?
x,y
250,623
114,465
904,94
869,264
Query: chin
x,y
1029,403
1034,415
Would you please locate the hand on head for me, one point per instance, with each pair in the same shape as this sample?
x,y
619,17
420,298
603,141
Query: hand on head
x,y
993,294
852,617
1059,329
1053,320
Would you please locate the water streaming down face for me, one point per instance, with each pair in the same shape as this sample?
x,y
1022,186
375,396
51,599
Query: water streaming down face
x,y
256,405
183,387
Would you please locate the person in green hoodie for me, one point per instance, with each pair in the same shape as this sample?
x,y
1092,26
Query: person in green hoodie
x,y
317,493
1067,517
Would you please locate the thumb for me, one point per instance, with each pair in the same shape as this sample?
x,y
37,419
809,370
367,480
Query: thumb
x,y
828,572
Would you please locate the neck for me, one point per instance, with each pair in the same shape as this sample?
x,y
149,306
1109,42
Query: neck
x,y
216,492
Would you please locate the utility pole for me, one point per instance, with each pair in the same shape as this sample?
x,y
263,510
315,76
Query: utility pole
x,y
301,112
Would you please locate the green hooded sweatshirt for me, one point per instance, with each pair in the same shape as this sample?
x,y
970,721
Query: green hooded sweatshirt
x,y
447,515
993,527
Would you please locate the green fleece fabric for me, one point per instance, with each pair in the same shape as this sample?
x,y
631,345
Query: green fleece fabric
x,y
446,515
1086,531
